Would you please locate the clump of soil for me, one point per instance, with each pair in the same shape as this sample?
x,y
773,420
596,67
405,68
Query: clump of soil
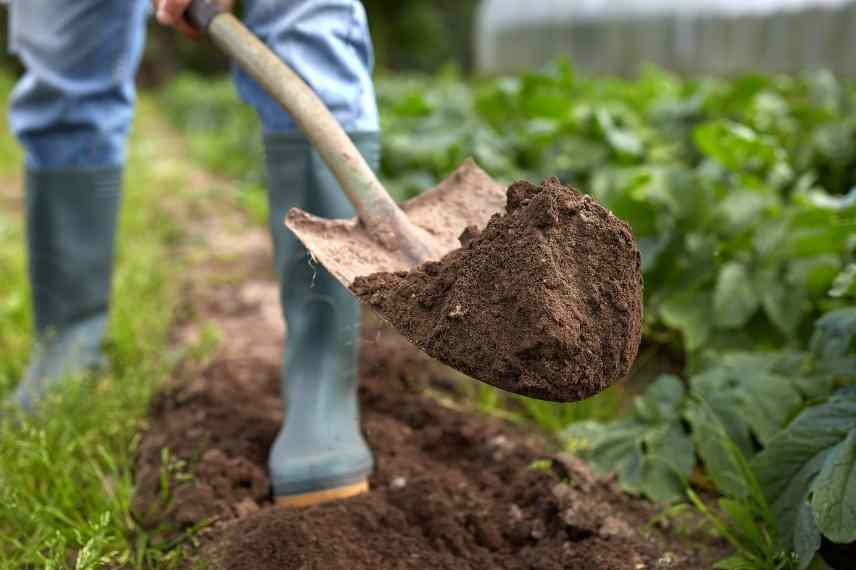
x,y
545,302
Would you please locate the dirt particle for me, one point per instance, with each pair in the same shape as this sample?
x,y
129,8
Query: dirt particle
x,y
398,483
457,313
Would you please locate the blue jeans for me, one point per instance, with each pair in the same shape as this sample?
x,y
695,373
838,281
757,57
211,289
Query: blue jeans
x,y
73,107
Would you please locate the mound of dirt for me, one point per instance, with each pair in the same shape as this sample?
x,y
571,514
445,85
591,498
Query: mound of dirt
x,y
545,302
451,489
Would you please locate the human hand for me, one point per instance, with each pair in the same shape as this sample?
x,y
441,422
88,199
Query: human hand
x,y
171,13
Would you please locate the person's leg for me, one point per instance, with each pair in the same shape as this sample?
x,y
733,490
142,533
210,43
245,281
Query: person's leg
x,y
320,453
71,112
320,446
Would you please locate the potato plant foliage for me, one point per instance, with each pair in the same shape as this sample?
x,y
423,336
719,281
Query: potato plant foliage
x,y
791,414
742,196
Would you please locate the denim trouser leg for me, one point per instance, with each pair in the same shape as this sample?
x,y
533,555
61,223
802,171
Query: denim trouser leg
x,y
327,43
73,107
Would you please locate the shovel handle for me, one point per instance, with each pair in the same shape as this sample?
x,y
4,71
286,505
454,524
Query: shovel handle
x,y
381,216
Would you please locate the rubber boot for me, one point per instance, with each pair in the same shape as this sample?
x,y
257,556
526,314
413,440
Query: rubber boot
x,y
320,453
71,226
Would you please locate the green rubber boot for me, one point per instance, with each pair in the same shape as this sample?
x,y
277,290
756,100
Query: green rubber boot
x,y
71,226
320,453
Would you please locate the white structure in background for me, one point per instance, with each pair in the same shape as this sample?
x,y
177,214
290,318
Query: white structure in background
x,y
690,36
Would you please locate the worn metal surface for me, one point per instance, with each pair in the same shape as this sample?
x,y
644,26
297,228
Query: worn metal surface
x,y
467,197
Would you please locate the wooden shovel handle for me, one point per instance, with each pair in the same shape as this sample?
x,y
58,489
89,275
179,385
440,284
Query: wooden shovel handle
x,y
378,212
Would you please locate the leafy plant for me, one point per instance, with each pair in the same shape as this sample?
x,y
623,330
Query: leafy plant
x,y
808,473
743,517
774,432
650,450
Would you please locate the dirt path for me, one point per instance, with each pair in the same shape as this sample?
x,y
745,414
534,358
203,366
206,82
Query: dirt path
x,y
11,196
451,489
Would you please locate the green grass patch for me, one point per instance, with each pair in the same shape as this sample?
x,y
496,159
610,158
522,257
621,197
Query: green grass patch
x,y
14,302
10,153
65,475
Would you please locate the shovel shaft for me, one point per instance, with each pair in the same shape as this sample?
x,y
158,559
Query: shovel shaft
x,y
381,216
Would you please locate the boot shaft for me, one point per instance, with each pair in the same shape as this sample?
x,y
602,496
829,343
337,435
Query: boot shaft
x,y
71,227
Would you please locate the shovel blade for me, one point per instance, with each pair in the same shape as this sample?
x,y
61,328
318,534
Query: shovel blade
x,y
468,197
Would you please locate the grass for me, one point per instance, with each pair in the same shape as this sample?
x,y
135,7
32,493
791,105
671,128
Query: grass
x,y
10,153
66,475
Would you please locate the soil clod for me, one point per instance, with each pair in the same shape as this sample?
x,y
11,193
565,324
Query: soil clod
x,y
545,301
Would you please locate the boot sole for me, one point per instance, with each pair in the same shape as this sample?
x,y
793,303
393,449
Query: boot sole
x,y
325,496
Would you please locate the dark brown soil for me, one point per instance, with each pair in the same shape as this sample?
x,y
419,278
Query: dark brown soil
x,y
452,489
545,302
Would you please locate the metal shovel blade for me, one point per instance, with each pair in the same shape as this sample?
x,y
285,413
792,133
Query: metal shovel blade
x,y
468,197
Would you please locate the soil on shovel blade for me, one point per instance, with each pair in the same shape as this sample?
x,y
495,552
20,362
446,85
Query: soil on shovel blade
x,y
546,301
452,489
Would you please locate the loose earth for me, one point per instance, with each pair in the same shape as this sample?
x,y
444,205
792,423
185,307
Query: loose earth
x,y
451,489
546,301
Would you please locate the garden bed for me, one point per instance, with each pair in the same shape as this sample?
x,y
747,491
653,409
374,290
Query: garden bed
x,y
452,488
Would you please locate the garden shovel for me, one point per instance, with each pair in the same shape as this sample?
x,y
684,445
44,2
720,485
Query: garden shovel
x,y
553,321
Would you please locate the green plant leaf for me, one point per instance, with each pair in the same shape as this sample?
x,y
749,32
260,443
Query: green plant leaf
x,y
719,463
818,239
734,145
806,535
749,401
624,142
834,335
743,520
651,452
741,209
834,498
783,303
663,400
844,284
734,298
735,562
814,274
815,450
690,313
